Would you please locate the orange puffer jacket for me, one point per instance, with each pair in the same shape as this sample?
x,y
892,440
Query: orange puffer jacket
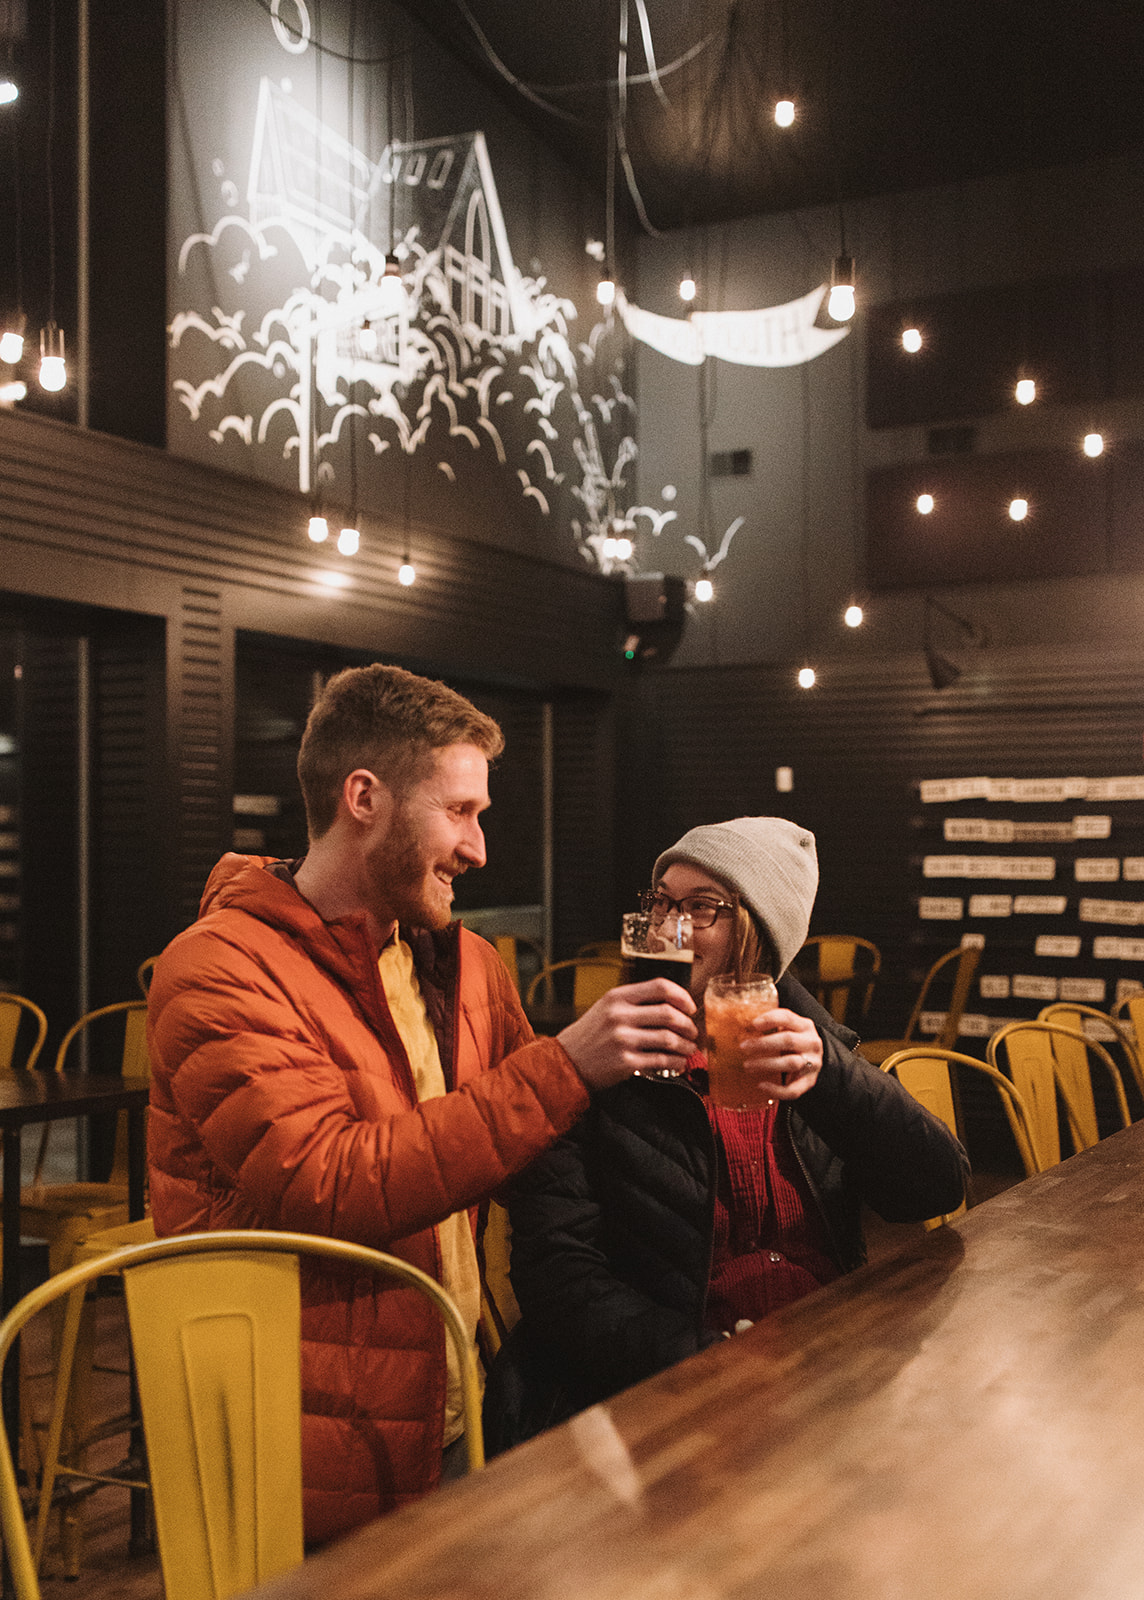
x,y
282,1097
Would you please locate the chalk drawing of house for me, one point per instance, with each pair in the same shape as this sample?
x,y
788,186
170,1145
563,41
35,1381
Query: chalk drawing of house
x,y
308,179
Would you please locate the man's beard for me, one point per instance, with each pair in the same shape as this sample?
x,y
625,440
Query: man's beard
x,y
405,877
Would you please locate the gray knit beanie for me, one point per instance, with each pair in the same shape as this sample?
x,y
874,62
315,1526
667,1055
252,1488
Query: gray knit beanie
x,y
770,863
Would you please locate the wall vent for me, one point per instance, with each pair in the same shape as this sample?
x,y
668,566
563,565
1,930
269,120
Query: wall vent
x,y
730,464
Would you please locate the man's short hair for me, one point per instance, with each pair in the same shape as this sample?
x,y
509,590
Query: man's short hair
x,y
386,720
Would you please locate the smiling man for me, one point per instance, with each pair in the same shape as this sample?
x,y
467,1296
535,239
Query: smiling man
x,y
332,1054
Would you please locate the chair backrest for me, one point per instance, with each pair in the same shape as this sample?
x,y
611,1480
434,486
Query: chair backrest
x,y
506,949
592,979
14,1009
1043,1058
1134,1041
841,971
143,974
924,1070
967,958
1074,1054
134,1063
215,1322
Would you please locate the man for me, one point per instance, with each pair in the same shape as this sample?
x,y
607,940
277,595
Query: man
x,y
330,1054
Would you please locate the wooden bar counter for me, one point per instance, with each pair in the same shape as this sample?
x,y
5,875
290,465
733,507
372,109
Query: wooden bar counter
x,y
964,1421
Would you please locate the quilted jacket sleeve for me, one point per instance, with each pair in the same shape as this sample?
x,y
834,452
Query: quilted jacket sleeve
x,y
274,1103
896,1157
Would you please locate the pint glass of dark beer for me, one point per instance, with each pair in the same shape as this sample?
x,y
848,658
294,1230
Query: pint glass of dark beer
x,y
657,951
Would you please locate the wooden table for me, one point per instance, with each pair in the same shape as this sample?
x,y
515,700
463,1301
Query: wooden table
x,y
34,1097
964,1421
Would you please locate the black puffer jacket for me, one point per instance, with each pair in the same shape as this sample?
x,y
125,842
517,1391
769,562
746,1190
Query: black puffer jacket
x,y
612,1228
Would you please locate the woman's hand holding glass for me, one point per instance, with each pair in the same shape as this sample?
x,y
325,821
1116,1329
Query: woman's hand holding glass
x,y
786,1052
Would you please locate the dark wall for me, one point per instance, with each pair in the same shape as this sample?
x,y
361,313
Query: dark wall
x,y
185,560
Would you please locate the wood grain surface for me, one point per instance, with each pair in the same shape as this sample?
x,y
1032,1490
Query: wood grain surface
x,y
964,1420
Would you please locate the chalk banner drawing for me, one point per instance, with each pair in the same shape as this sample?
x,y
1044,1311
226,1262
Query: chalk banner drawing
x,y
286,343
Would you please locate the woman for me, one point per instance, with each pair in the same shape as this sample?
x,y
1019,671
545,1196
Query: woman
x,y
661,1223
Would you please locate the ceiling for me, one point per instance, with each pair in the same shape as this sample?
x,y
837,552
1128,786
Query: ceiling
x,y
891,94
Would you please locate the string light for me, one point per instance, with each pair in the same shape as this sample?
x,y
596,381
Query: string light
x,y
704,589
925,504
806,678
624,549
8,91
841,303
53,371
1093,442
853,616
349,541
911,340
687,288
406,573
1026,391
1018,510
11,392
784,113
319,530
606,289
12,340
391,290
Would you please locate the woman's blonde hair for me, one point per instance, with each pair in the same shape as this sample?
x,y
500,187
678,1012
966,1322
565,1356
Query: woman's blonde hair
x,y
750,948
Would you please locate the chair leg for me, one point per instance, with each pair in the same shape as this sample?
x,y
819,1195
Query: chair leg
x,y
69,1337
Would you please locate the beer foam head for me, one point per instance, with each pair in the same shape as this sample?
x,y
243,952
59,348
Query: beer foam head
x,y
770,863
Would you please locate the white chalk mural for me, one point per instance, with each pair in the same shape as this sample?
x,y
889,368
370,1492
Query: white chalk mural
x,y
467,345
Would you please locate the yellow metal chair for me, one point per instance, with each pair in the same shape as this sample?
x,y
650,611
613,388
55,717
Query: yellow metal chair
x,y
592,978
925,1071
72,1416
14,1009
839,970
143,974
967,958
597,949
64,1213
1072,1057
1133,1030
215,1326
1043,1058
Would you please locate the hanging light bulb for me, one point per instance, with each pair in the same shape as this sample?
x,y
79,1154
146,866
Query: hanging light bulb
x,y
53,371
11,392
1026,391
853,616
704,589
841,302
784,113
1093,442
1018,510
806,677
687,288
348,542
319,530
391,290
624,548
606,288
925,504
12,339
406,573
911,340
8,91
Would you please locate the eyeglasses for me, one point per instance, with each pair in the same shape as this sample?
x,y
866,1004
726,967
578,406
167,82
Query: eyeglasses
x,y
701,908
